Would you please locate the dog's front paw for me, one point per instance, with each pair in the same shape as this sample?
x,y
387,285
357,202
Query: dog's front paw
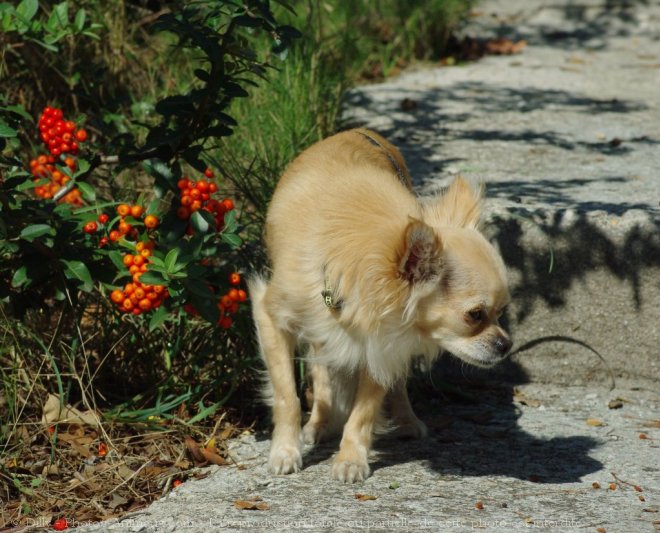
x,y
350,471
285,459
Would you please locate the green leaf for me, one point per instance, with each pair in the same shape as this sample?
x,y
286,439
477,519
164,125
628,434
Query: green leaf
x,y
27,9
6,131
117,258
204,413
247,21
203,300
156,262
49,47
157,319
20,277
230,222
152,278
19,110
87,191
232,239
233,89
202,75
61,12
29,184
29,233
79,21
54,37
22,488
78,270
163,174
170,260
82,167
202,221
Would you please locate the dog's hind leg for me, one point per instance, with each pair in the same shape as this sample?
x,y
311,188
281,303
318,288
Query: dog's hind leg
x,y
277,349
401,412
314,429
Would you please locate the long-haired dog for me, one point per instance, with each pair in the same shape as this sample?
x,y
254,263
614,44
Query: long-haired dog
x,y
365,276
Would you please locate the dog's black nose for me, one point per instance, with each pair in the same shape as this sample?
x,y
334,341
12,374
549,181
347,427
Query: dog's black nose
x,y
503,345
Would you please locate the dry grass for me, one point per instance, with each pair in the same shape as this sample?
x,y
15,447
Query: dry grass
x,y
91,473
80,458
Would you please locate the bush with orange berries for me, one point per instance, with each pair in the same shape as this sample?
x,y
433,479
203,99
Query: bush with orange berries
x,y
165,252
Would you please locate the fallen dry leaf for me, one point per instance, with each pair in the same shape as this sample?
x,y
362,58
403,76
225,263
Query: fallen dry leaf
x,y
54,412
117,501
365,497
212,456
504,46
253,504
194,450
595,422
521,397
204,455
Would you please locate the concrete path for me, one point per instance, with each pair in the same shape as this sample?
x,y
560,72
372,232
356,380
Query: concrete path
x,y
529,457
566,136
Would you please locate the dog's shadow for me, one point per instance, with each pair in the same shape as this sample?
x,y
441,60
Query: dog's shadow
x,y
474,431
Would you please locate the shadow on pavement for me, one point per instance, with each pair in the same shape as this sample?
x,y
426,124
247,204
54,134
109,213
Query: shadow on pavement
x,y
474,432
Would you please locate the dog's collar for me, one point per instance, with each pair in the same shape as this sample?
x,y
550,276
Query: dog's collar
x,y
395,165
328,297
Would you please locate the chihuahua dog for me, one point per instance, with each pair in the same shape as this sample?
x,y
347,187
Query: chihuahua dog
x,y
366,276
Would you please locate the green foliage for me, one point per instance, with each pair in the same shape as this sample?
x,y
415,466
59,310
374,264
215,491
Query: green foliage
x,y
226,84
46,32
51,263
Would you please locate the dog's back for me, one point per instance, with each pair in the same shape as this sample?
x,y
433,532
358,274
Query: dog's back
x,y
341,204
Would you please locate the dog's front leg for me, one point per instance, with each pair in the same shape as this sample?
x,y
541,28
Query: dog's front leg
x,y
277,348
351,463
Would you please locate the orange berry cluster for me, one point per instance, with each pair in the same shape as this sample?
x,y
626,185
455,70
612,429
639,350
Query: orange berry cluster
x,y
228,304
59,136
43,167
196,195
137,297
124,228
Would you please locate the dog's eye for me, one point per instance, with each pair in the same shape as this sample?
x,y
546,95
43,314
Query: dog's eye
x,y
477,315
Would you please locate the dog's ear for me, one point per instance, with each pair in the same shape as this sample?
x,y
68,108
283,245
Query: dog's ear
x,y
459,206
420,259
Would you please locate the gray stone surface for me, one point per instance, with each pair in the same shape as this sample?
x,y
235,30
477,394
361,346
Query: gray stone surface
x,y
566,136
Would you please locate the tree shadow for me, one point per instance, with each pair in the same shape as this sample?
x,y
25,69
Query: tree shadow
x,y
420,122
580,25
570,241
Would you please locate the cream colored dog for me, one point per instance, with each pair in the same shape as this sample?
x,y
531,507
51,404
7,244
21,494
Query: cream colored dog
x,y
365,276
